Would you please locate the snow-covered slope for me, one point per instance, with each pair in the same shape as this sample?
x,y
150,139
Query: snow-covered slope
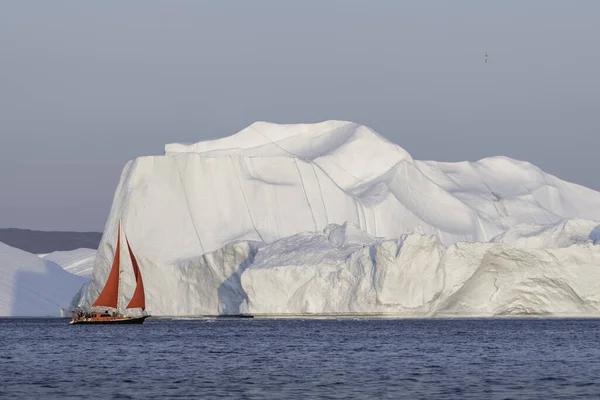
x,y
271,182
31,286
563,233
79,262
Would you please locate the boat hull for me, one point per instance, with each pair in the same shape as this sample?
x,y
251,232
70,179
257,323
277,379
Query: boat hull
x,y
110,321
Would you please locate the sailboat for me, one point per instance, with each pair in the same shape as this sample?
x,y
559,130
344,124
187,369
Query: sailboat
x,y
109,297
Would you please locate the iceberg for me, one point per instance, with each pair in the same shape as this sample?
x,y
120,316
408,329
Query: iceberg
x,y
416,276
79,262
520,281
31,286
562,233
333,218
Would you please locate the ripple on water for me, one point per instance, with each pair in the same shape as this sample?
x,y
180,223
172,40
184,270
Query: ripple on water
x,y
257,359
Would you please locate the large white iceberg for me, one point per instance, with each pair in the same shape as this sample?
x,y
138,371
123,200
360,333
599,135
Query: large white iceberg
x,y
236,224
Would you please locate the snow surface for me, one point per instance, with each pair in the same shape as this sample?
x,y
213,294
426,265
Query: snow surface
x,y
563,233
32,286
79,262
417,276
332,217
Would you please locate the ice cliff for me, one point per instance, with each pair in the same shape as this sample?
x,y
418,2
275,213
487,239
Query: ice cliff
x,y
332,217
414,275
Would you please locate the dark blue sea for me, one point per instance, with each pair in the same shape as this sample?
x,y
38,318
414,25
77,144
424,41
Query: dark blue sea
x,y
301,358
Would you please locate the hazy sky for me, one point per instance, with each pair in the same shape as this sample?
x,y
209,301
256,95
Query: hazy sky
x,y
86,86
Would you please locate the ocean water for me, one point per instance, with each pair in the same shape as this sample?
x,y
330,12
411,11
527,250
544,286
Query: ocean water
x,y
301,358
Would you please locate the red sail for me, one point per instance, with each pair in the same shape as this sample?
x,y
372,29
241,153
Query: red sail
x,y
139,299
110,294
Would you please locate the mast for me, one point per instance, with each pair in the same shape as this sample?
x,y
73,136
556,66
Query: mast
x,y
119,284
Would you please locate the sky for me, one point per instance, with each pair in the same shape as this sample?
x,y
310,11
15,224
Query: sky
x,y
87,86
